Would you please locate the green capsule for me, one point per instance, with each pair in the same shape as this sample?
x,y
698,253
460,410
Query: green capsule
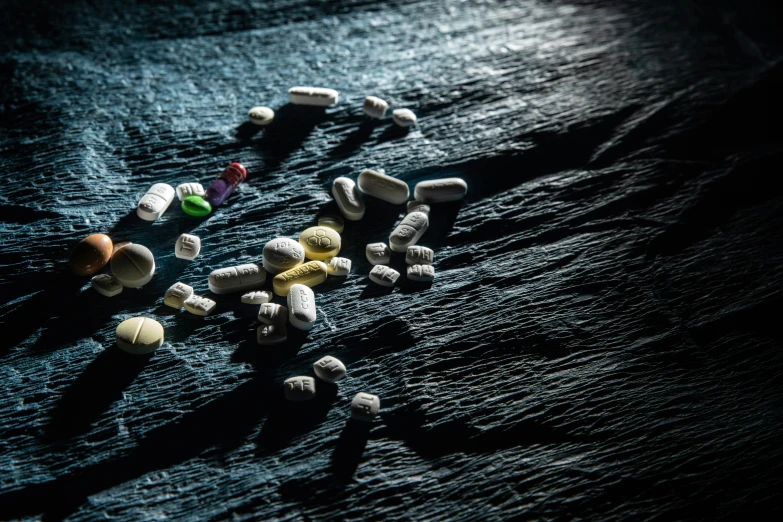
x,y
196,206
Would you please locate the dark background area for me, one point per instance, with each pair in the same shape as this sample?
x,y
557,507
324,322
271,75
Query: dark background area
x,y
602,340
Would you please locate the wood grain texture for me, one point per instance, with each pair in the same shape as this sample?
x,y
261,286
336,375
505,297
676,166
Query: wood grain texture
x,y
600,342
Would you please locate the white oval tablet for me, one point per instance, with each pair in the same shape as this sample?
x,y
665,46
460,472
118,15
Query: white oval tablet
x,y
195,304
189,189
273,313
409,231
374,107
282,254
384,275
133,265
440,190
187,247
271,334
155,202
377,253
261,115
403,117
177,294
338,266
417,206
299,388
317,96
236,278
419,255
329,369
365,406
381,186
348,198
301,307
139,335
106,284
424,273
258,297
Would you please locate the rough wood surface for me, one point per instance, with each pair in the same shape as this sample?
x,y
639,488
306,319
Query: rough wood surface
x,y
601,340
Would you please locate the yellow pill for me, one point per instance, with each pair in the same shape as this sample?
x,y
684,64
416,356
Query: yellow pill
x,y
139,335
309,274
320,243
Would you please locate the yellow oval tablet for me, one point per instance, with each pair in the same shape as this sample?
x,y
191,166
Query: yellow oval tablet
x,y
308,274
320,243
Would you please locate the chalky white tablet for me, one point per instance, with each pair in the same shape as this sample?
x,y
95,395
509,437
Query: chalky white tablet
x,y
133,265
374,107
139,335
348,198
299,388
409,231
336,223
403,117
419,255
195,304
417,206
440,190
329,369
423,273
365,406
381,186
189,189
261,115
155,202
272,313
377,253
282,254
236,278
271,334
106,284
384,275
258,297
339,266
301,307
187,247
320,243
177,294
317,96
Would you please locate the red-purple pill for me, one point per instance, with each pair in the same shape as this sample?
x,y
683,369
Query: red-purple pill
x,y
218,191
235,174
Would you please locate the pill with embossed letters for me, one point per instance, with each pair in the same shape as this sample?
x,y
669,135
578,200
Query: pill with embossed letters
x,y
409,231
329,369
348,198
424,273
236,278
189,189
419,255
155,202
301,307
271,334
299,388
177,294
311,273
440,190
384,275
187,247
198,305
272,313
257,297
282,254
320,243
381,186
365,406
339,266
318,96
377,253
106,284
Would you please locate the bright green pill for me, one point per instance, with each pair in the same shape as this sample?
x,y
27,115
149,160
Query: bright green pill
x,y
196,206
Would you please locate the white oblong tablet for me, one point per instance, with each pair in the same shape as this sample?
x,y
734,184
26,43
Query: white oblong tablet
x,y
329,369
419,255
403,117
317,96
381,186
106,284
272,313
195,304
348,198
365,406
374,107
236,278
139,335
133,265
423,273
155,202
440,190
258,297
187,247
189,189
301,307
282,254
177,294
338,266
261,115
377,253
271,334
384,275
299,388
409,231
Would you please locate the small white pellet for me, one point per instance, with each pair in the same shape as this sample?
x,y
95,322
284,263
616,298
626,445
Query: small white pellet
x,y
261,115
403,117
258,297
424,273
270,334
177,294
155,202
374,107
299,388
440,190
409,231
106,284
317,96
281,254
338,266
189,189
198,305
348,198
301,307
418,206
377,253
273,313
384,275
381,186
187,247
419,255
365,406
329,369
236,278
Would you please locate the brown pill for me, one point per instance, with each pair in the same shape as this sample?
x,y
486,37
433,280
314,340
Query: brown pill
x,y
91,254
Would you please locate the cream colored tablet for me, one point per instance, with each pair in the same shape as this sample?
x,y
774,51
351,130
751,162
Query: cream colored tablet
x,y
236,278
348,198
190,189
377,253
261,115
155,202
338,266
317,96
311,273
403,117
440,190
198,305
177,294
365,406
299,388
320,243
106,284
139,335
419,255
329,369
374,107
409,231
187,247
424,273
383,275
381,186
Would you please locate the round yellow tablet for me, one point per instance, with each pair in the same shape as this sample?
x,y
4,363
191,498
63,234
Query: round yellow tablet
x,y
139,335
320,243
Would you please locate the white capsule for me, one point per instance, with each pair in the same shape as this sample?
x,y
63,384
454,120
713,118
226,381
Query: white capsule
x,y
381,186
348,198
187,247
273,313
271,334
261,115
155,202
106,284
338,266
409,231
282,254
440,190
423,273
189,189
317,96
329,369
198,305
236,278
177,294
377,253
384,275
365,406
403,117
374,107
419,255
258,297
301,307
299,388
417,206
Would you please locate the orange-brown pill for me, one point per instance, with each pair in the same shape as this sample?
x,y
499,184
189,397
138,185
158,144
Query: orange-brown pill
x,y
91,254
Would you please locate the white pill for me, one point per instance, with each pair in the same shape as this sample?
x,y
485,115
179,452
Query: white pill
x,y
417,206
329,369
189,189
381,186
301,307
139,335
377,253
374,107
338,266
425,273
258,297
384,275
403,117
261,115
409,231
177,294
299,388
348,198
282,254
365,406
133,265
106,284
195,304
270,334
440,190
187,247
236,278
155,202
419,255
318,96
272,313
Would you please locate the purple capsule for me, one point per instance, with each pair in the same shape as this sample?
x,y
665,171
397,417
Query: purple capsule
x,y
218,191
